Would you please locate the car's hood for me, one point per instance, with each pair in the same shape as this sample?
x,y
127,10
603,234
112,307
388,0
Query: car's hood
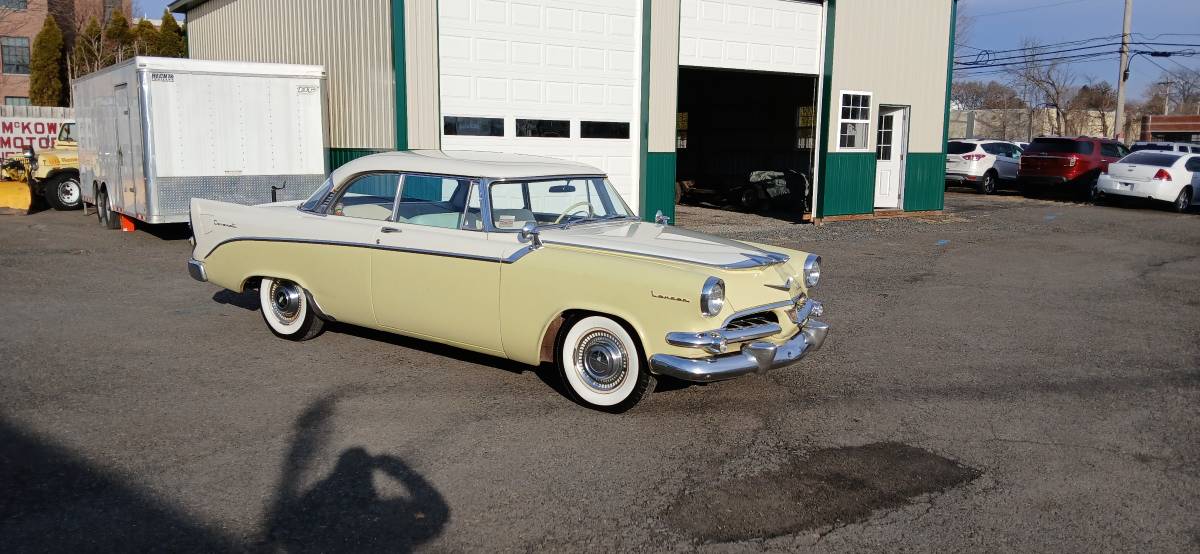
x,y
660,241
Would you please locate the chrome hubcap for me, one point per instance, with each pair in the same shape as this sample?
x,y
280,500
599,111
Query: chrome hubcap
x,y
68,192
601,360
285,301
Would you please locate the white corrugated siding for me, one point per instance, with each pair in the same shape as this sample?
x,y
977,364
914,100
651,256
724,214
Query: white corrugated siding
x,y
897,52
421,59
351,38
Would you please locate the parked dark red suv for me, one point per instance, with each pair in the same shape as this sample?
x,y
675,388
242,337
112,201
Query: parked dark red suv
x,y
1061,162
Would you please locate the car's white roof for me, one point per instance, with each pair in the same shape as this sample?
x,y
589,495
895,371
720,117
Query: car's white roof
x,y
981,141
494,165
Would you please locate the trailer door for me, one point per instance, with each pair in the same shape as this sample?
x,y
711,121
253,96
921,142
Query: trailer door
x,y
127,197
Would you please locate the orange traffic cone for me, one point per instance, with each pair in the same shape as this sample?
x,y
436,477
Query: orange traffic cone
x,y
127,224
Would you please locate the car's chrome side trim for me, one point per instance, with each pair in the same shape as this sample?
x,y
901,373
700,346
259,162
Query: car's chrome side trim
x,y
512,258
753,260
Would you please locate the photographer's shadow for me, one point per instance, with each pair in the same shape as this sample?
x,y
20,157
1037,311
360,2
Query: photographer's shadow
x,y
367,503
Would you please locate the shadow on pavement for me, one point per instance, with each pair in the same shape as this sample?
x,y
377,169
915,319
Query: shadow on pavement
x,y
345,510
53,500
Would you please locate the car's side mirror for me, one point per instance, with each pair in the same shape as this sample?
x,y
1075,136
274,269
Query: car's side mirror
x,y
661,219
529,233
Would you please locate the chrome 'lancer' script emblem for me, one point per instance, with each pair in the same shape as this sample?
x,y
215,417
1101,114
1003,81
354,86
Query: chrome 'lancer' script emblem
x,y
786,286
665,297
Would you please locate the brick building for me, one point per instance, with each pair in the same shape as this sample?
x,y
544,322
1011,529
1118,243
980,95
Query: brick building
x,y
20,21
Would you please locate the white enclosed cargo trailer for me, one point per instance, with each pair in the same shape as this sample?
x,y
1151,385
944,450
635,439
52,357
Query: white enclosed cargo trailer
x,y
156,132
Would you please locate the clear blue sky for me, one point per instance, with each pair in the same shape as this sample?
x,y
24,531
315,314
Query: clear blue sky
x,y
1004,25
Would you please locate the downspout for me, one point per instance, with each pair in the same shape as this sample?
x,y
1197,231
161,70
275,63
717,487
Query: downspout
x,y
825,82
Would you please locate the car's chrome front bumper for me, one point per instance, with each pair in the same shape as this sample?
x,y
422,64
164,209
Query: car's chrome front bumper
x,y
196,270
754,357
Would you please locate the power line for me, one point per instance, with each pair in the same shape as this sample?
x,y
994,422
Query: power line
x,y
1050,45
984,71
1028,61
1034,52
988,14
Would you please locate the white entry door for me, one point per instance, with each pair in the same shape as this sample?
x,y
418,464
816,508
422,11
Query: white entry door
x,y
890,149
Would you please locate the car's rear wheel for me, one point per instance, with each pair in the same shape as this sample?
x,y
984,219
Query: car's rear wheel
x,y
1184,201
987,185
601,364
285,309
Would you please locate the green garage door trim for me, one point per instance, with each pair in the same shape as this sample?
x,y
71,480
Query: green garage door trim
x,y
826,95
924,181
659,193
400,74
337,157
848,184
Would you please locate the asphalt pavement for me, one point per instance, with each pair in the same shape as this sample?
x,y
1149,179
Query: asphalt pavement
x,y
1012,374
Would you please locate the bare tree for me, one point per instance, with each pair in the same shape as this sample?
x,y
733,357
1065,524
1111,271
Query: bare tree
x,y
1094,102
1052,81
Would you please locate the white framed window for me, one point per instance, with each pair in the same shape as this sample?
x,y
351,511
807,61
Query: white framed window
x,y
854,120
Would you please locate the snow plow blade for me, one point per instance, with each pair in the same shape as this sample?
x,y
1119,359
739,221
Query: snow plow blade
x,y
15,198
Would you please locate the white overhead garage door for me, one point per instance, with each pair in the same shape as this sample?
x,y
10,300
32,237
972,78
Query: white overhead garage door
x,y
762,35
555,78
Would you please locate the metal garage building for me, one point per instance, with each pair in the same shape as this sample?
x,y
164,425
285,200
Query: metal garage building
x,y
853,92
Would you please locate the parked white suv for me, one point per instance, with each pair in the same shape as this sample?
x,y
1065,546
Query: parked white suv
x,y
1165,146
982,164
1155,174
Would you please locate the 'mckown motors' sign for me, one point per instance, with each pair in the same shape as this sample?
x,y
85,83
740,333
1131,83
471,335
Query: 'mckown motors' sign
x,y
17,133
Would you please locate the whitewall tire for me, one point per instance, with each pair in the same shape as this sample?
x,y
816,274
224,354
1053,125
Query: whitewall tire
x,y
286,310
601,364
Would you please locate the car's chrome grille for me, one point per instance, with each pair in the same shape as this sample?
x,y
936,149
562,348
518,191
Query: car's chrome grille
x,y
751,320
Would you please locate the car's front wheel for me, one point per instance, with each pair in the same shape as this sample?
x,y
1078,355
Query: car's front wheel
x,y
601,364
286,311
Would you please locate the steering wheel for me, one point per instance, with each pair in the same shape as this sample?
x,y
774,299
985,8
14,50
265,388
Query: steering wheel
x,y
571,210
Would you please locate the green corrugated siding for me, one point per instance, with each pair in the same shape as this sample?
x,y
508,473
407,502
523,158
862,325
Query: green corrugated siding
x,y
400,74
848,184
338,157
658,190
924,181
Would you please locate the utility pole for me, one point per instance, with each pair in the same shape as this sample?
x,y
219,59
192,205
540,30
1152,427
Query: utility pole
x,y
1119,124
1166,94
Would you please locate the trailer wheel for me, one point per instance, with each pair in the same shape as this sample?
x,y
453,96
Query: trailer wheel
x,y
62,192
108,219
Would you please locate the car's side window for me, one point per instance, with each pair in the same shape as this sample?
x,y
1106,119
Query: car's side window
x,y
368,196
1193,164
437,201
994,148
1110,150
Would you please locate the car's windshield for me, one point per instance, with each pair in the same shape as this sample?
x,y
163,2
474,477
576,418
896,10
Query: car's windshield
x,y
553,201
956,147
1151,157
1059,146
67,132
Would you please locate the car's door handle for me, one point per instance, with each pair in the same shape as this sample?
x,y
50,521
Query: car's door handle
x,y
390,230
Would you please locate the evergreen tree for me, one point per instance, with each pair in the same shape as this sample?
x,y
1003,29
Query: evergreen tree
x,y
89,53
170,38
46,71
118,38
145,39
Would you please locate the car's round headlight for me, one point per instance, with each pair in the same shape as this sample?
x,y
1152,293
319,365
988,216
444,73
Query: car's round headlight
x,y
712,297
812,270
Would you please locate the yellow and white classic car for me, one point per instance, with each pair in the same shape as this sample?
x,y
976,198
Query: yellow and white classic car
x,y
528,258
